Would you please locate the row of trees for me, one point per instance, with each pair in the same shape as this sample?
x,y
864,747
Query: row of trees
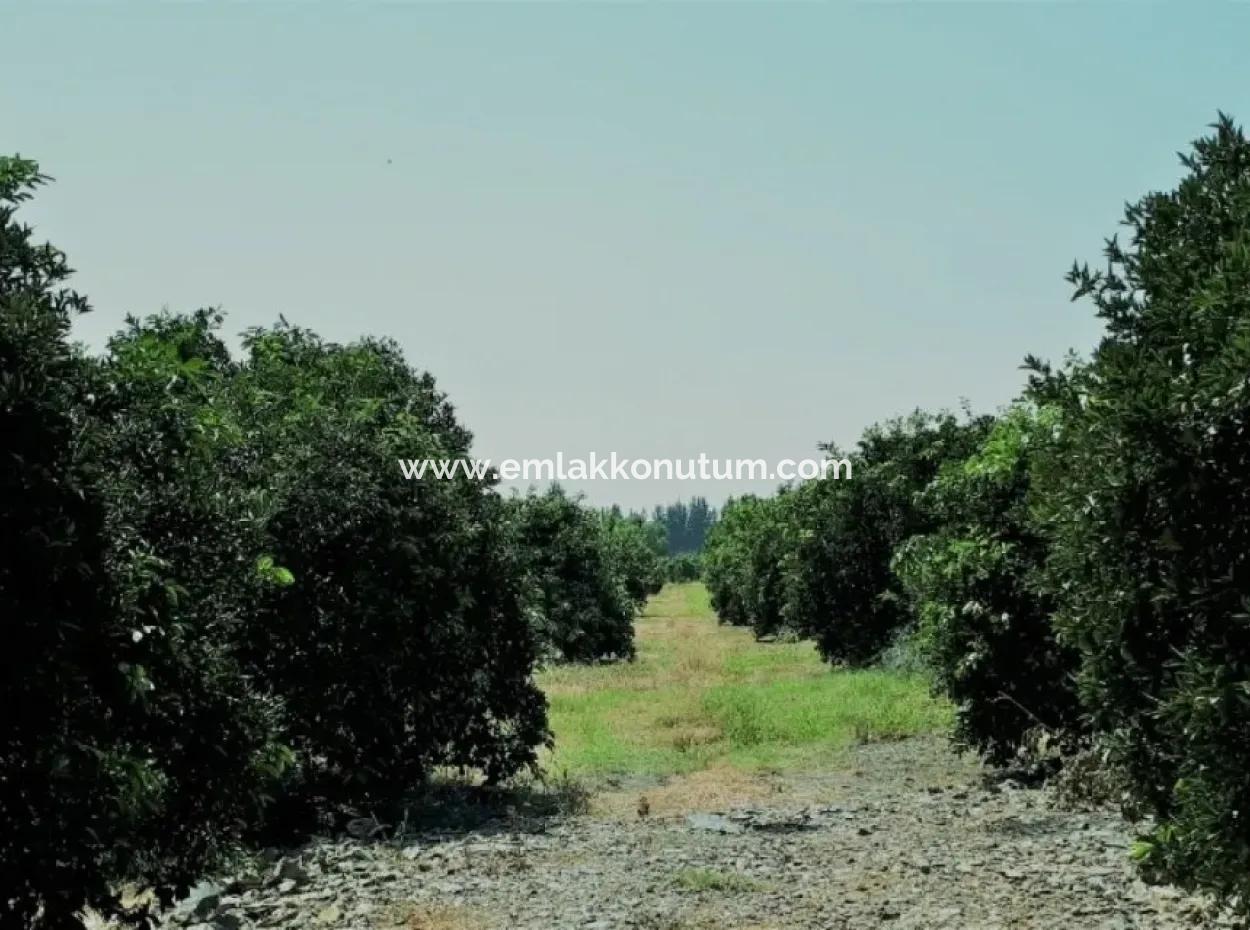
x,y
223,606
1077,568
587,575
815,559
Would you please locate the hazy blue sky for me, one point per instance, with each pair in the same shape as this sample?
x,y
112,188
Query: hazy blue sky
x,y
655,229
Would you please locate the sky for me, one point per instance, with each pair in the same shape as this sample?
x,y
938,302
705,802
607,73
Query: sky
x,y
739,229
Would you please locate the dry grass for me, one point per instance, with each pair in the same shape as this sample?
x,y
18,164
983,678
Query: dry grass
x,y
720,787
414,916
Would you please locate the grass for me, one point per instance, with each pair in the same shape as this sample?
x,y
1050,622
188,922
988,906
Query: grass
x,y
700,880
703,697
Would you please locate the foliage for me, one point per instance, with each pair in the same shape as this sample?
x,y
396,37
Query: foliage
x,y
983,622
841,589
183,548
401,642
580,607
743,562
132,746
680,569
219,590
1147,509
635,553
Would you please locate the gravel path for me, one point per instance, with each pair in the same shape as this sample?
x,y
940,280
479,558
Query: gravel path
x,y
907,836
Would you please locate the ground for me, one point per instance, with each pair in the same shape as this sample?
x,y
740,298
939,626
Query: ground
x,y
717,782
707,715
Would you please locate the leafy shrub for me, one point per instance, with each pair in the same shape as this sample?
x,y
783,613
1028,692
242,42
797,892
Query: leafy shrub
x,y
184,551
1148,511
841,589
400,642
132,747
743,562
221,590
579,606
635,554
983,621
683,568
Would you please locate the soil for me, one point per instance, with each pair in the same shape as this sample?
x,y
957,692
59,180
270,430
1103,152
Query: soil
x,y
906,835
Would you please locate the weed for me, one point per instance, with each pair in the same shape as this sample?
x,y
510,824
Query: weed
x,y
703,880
702,695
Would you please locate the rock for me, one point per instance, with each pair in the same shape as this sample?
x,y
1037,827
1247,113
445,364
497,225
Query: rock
x,y
713,823
330,914
290,870
935,861
243,883
203,899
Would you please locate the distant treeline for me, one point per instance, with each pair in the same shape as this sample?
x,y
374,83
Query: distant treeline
x,y
685,525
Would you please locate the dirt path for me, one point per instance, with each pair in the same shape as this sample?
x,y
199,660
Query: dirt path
x,y
695,823
909,836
